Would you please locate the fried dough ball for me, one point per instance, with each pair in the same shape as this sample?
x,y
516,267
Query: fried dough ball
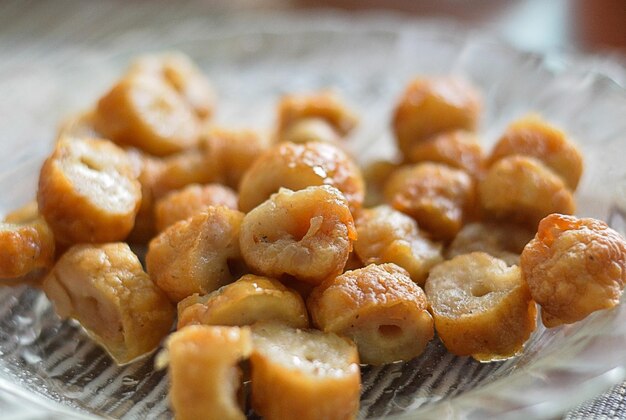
x,y
481,306
182,204
25,247
431,106
532,136
501,240
105,288
521,189
375,175
325,105
196,255
307,234
574,267
438,197
144,111
386,235
88,191
180,73
80,125
297,166
232,151
248,300
303,374
379,307
204,372
458,149
147,169
310,129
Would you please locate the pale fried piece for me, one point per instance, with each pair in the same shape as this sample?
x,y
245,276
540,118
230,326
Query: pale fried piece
x,y
310,129
196,255
375,175
297,166
429,106
521,189
303,374
204,374
180,73
306,234
27,213
501,240
146,112
438,197
88,191
379,307
481,306
532,136
182,204
386,235
105,288
248,300
325,105
232,151
25,247
458,149
80,125
574,267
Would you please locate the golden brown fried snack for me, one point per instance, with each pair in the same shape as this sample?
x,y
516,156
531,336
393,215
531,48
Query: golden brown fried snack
x,y
182,204
521,189
458,149
248,300
29,212
80,125
438,197
481,306
574,267
25,247
204,373
375,175
183,76
297,166
307,234
386,235
196,255
431,106
501,240
88,191
105,288
303,374
378,307
325,105
532,136
144,111
310,129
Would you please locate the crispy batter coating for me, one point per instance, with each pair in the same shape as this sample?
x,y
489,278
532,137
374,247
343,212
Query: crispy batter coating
x,y
147,169
248,300
183,76
379,307
438,197
430,106
458,149
375,175
521,189
25,247
505,241
297,166
204,371
144,111
182,204
307,234
196,255
325,105
574,267
386,235
303,374
88,191
310,129
532,136
105,288
481,306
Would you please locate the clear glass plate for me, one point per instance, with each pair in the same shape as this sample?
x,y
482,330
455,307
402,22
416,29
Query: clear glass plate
x,y
49,366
